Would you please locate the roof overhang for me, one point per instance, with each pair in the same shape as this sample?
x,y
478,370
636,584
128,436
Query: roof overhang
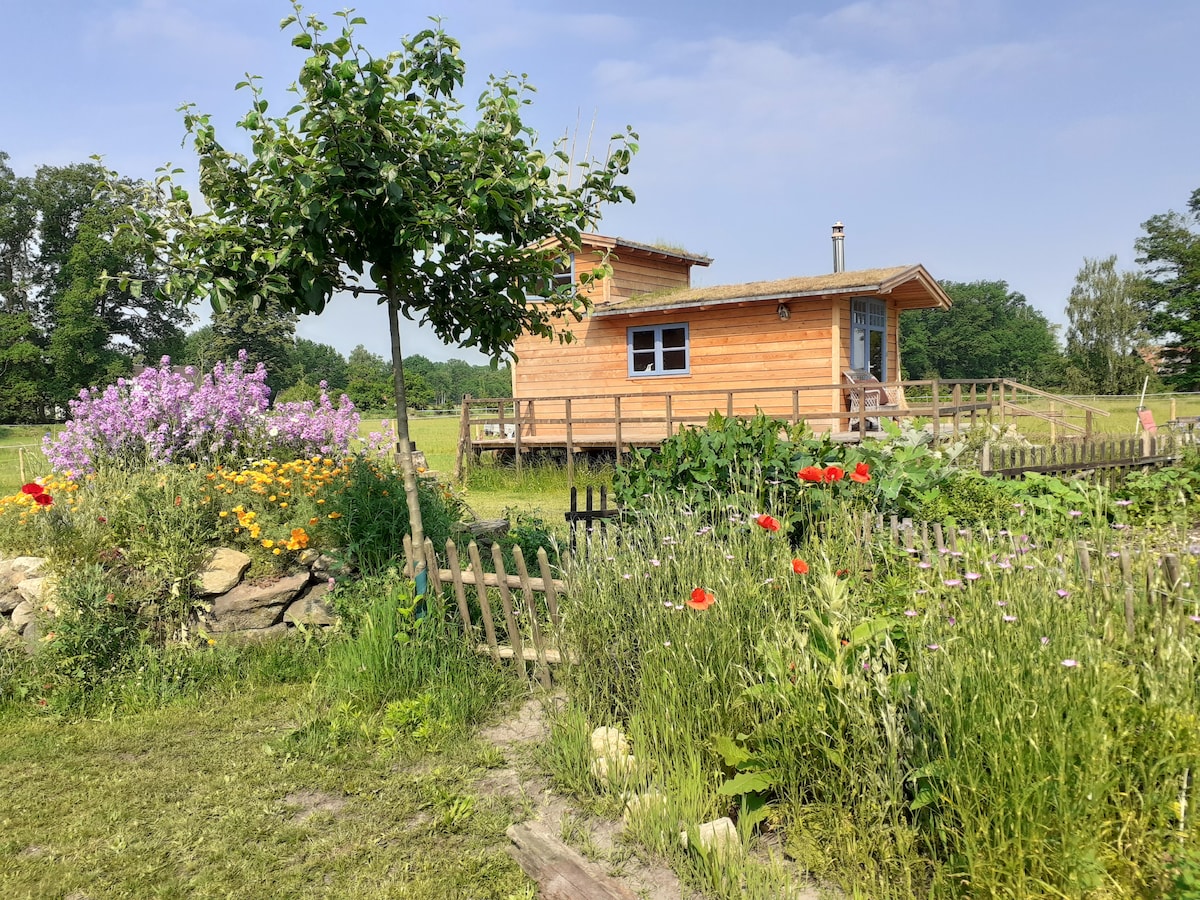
x,y
911,287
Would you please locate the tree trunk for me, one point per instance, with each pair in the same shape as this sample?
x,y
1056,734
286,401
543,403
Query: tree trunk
x,y
403,442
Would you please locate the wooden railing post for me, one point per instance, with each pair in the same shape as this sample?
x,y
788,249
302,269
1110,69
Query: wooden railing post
x,y
956,399
570,445
617,427
517,434
936,410
464,440
670,417
862,413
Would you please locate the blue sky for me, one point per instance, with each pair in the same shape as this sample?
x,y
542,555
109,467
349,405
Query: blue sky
x,y
986,139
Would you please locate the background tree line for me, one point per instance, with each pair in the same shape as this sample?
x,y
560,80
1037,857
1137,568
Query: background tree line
x,y
64,328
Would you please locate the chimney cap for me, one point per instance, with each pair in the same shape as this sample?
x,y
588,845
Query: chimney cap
x,y
838,228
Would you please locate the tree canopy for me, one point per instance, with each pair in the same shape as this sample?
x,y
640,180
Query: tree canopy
x,y
1105,331
1169,253
990,331
374,184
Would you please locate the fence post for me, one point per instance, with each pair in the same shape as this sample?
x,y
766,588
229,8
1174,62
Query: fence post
x,y
936,410
517,434
464,439
985,458
510,618
21,462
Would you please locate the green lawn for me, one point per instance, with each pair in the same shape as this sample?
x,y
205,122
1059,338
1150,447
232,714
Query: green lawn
x,y
208,798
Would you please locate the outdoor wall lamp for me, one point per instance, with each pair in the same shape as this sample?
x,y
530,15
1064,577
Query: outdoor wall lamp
x,y
783,312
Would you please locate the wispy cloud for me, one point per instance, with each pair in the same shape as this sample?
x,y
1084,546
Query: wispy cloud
x,y
173,31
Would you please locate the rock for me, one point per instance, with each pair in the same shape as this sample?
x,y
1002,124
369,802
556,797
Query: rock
x,y
254,635
24,613
255,606
32,635
310,607
5,568
308,556
9,636
24,566
609,742
224,571
719,835
38,590
608,767
9,601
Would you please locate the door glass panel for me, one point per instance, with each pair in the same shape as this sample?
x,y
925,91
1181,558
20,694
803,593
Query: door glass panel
x,y
876,338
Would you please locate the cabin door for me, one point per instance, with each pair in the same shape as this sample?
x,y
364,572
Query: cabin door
x,y
868,336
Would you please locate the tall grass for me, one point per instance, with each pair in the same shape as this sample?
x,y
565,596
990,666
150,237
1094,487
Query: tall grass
x,y
976,723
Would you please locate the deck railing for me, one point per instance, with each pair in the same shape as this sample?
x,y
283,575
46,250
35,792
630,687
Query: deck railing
x,y
620,422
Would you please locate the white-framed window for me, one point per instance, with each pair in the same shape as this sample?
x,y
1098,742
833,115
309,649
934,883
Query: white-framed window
x,y
564,276
868,336
659,350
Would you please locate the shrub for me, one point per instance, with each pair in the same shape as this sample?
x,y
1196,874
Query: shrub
x,y
161,416
368,516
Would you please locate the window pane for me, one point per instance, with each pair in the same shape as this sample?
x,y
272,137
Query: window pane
x,y
674,360
674,337
643,340
643,361
858,348
877,354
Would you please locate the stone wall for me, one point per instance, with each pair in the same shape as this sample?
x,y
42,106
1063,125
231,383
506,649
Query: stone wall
x,y
230,608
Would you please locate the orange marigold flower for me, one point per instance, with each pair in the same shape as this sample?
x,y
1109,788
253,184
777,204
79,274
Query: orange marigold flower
x,y
861,473
335,515
834,473
810,474
701,599
768,522
800,567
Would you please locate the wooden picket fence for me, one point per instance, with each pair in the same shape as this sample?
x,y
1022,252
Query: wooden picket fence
x,y
1102,459
528,626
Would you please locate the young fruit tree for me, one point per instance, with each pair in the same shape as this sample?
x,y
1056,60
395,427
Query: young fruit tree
x,y
373,184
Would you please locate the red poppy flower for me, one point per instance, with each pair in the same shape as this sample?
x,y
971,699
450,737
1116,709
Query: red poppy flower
x,y
701,599
800,567
43,499
768,522
834,473
861,473
32,489
810,474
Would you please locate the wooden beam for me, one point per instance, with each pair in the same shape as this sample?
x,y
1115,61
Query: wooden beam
x,y
561,873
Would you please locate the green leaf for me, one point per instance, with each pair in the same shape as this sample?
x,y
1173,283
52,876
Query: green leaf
x,y
303,41
748,782
735,757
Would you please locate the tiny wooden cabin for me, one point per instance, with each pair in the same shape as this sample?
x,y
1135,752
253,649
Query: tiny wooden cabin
x,y
650,334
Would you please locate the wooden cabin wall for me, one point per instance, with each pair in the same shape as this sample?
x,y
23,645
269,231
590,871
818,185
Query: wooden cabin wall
x,y
741,347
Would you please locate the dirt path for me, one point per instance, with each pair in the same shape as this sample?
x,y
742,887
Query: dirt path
x,y
516,737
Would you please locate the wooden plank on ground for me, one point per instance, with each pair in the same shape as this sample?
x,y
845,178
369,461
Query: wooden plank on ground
x,y
561,873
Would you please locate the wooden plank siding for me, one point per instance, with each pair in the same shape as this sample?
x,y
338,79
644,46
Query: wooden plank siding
x,y
734,344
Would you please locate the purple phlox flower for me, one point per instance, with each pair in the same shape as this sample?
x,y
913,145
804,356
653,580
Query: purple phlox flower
x,y
1004,564
1009,618
1074,513
921,591
924,565
1002,603
626,576
1070,663
668,604
729,556
655,563
910,613
950,620
1119,526
952,582
1063,593
769,581
1195,619
1124,502
1045,641
933,646
973,576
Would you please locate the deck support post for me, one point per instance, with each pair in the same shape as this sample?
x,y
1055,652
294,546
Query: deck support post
x,y
935,410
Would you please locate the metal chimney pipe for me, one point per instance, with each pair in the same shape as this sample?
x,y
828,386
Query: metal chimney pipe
x,y
839,247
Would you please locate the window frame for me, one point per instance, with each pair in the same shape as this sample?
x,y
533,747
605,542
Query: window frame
x,y
657,330
557,280
868,308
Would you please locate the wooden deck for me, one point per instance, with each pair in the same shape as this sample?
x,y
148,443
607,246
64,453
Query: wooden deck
x,y
616,424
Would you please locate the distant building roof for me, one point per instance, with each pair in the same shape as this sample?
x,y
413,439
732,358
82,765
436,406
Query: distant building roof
x,y
912,286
